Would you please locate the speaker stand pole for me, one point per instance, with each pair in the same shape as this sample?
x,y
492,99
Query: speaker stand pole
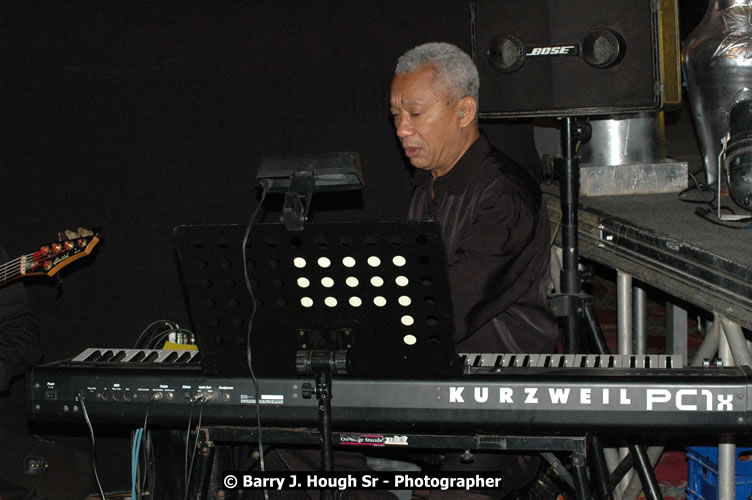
x,y
572,303
569,187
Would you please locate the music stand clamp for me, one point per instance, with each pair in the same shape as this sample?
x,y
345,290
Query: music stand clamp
x,y
322,364
298,178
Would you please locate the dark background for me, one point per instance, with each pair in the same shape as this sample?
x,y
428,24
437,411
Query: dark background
x,y
134,117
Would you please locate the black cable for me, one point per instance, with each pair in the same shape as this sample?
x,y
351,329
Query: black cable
x,y
705,214
80,397
186,479
143,450
195,444
265,185
701,188
148,330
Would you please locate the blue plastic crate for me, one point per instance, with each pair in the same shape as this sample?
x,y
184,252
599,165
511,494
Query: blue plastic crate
x,y
703,473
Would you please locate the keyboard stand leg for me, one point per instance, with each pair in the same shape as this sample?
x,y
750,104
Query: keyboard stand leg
x,y
645,470
599,469
581,487
205,458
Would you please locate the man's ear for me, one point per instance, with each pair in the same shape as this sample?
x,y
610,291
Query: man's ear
x,y
468,108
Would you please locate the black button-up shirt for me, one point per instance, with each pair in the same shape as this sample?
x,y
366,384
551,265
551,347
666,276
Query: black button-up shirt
x,y
19,333
497,239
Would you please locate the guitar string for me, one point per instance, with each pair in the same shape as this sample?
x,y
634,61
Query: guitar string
x,y
13,266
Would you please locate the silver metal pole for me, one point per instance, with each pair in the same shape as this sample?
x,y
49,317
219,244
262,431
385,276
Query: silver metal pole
x,y
640,304
624,312
726,445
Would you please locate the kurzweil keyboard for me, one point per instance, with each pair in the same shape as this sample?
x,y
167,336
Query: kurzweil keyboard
x,y
538,392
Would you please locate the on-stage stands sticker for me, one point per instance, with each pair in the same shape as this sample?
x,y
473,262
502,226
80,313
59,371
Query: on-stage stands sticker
x,y
372,440
371,480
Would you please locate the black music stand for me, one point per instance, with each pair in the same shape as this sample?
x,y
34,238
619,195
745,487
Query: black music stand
x,y
378,291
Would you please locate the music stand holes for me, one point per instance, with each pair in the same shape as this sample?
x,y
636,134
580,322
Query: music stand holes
x,y
377,281
324,262
355,301
271,242
432,321
330,302
296,242
200,264
198,243
205,284
421,239
345,241
237,322
434,340
426,281
399,261
273,264
348,262
259,303
303,282
233,303
230,283
218,340
430,301
306,302
277,283
379,301
404,300
407,320
352,281
299,262
321,243
424,260
255,283
225,264
209,302
280,303
370,241
213,322
374,261
409,339
222,243
396,240
401,280
327,282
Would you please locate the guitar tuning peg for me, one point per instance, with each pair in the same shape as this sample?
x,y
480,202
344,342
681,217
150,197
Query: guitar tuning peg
x,y
71,235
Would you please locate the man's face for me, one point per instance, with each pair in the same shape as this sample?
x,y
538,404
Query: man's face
x,y
427,120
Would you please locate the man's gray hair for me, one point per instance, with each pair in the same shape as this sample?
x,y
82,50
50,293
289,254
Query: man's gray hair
x,y
453,67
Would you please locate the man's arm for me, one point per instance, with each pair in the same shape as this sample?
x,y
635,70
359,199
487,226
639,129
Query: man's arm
x,y
19,332
499,259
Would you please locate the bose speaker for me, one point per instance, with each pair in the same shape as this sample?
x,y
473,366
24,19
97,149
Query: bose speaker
x,y
574,57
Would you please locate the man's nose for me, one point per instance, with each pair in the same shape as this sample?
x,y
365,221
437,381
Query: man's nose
x,y
404,128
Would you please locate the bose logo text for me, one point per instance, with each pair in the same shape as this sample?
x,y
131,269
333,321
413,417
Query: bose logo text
x,y
560,50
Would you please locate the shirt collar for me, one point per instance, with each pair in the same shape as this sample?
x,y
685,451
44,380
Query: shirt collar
x,y
457,179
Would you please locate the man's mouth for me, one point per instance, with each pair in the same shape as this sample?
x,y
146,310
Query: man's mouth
x,y
411,151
